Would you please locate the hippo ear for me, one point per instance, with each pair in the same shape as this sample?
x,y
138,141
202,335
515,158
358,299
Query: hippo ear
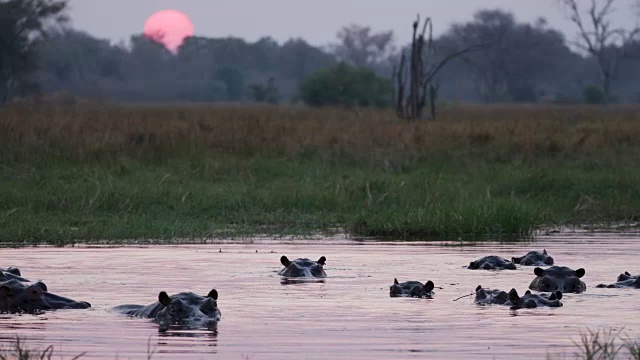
x,y
515,260
544,251
164,298
41,286
428,286
478,288
627,273
580,272
528,292
322,260
14,271
538,271
395,281
284,261
472,265
213,294
6,291
513,296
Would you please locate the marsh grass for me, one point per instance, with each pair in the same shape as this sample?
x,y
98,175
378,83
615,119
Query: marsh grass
x,y
607,345
196,172
19,351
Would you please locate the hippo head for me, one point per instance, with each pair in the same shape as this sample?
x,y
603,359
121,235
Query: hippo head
x,y
558,278
187,308
534,258
303,267
18,297
487,296
491,263
411,288
530,301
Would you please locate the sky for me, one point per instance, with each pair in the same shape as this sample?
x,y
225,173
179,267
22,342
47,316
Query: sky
x,y
315,21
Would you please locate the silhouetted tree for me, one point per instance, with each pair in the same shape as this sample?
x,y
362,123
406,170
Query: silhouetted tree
x,y
22,26
607,44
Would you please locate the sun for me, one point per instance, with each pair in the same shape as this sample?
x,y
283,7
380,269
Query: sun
x,y
169,27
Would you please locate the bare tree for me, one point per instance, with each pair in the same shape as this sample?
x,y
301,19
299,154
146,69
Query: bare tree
x,y
421,71
607,44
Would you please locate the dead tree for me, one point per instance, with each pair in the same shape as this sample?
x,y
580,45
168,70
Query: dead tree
x,y
606,44
420,74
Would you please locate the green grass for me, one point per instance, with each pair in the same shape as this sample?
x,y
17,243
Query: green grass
x,y
189,173
221,196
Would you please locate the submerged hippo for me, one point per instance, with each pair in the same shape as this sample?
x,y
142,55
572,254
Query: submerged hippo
x,y
11,274
558,278
411,289
303,267
185,308
625,280
492,263
491,296
18,296
529,300
534,258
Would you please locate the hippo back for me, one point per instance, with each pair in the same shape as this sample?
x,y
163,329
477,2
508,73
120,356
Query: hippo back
x,y
625,280
558,278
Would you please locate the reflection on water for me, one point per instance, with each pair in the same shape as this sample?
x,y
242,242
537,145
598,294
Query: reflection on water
x,y
345,316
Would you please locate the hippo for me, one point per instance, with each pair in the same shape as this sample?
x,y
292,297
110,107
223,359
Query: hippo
x,y
492,263
11,274
17,297
625,280
534,258
491,296
529,300
303,267
411,289
185,308
560,278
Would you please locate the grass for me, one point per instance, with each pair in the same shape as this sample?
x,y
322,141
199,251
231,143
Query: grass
x,y
607,345
125,173
18,351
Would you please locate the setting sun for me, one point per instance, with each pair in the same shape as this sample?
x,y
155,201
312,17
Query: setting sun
x,y
169,27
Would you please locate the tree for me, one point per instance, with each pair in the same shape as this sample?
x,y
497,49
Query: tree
x,y
516,58
233,80
265,92
607,44
348,86
23,24
421,72
359,47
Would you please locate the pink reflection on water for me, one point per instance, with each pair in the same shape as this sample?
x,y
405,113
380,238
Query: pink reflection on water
x,y
349,315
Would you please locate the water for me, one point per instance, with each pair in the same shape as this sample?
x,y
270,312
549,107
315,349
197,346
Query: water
x,y
349,316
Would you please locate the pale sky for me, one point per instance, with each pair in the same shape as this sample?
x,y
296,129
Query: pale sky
x,y
315,21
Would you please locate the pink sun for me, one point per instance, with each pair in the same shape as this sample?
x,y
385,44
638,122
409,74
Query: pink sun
x,y
169,27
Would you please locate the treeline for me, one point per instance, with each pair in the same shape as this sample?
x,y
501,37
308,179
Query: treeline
x,y
513,62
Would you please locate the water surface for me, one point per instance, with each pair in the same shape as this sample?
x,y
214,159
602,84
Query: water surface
x,y
348,316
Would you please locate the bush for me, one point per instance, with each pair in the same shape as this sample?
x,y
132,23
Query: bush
x,y
347,86
593,95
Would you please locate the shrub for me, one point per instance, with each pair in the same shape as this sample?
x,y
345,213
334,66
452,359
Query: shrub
x,y
347,86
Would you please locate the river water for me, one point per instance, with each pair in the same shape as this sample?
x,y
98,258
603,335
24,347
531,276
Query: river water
x,y
349,316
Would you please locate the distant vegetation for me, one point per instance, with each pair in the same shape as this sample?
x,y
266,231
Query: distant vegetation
x,y
517,62
88,172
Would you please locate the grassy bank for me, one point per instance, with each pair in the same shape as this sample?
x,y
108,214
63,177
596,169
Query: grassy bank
x,y
90,173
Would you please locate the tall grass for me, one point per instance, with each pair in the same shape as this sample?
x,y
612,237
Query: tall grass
x,y
163,172
18,351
